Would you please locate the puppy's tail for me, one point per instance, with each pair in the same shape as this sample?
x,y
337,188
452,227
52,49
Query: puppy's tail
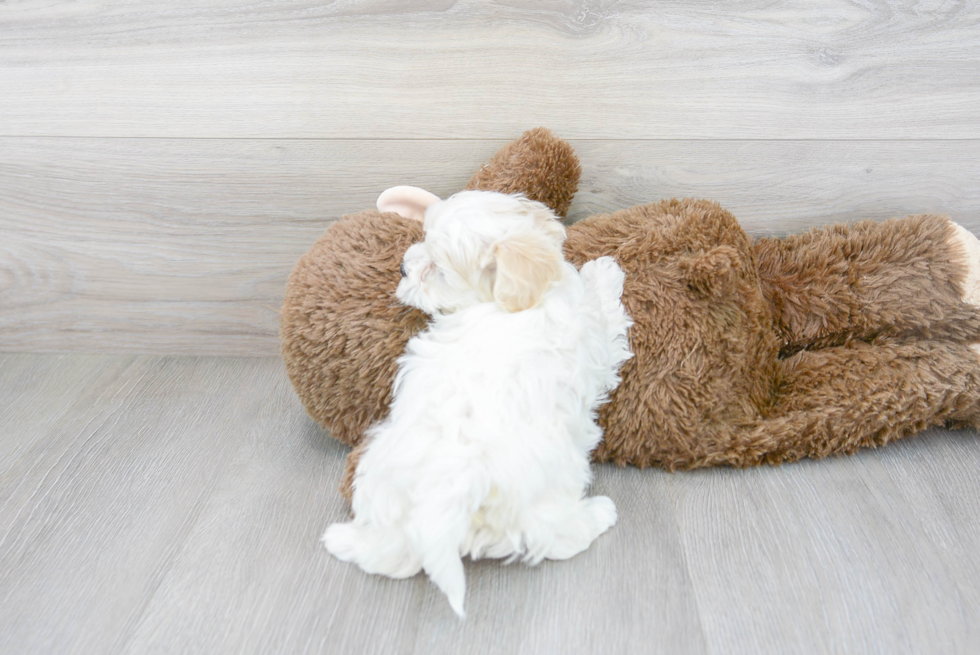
x,y
445,569
440,527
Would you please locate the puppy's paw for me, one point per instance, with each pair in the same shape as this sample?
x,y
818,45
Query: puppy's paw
x,y
603,512
604,279
605,276
574,532
342,541
970,246
384,552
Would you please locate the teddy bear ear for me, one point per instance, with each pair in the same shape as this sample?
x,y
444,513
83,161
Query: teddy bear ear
x,y
406,201
712,273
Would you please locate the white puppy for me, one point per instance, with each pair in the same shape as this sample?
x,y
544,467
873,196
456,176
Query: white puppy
x,y
486,449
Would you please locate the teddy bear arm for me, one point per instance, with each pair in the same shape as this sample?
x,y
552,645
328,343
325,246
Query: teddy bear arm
x,y
538,165
896,278
840,399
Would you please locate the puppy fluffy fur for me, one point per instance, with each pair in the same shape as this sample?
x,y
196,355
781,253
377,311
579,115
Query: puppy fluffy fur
x,y
486,449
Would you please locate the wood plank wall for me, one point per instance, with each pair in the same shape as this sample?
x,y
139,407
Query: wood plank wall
x,y
163,165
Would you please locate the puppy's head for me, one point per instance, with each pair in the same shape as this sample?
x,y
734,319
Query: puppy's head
x,y
482,246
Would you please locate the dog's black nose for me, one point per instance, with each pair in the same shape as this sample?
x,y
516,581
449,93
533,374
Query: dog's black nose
x,y
404,274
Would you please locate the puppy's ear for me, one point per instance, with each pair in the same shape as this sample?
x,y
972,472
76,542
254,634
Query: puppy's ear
x,y
544,219
526,264
406,201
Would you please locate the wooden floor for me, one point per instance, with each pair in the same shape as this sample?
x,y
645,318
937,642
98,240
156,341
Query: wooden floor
x,y
174,505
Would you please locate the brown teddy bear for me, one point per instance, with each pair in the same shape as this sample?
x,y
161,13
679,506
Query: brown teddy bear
x,y
745,352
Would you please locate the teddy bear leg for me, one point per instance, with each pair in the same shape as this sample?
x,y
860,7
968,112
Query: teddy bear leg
x,y
840,399
910,277
346,488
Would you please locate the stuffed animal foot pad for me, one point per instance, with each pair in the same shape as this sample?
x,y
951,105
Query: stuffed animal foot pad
x,y
970,246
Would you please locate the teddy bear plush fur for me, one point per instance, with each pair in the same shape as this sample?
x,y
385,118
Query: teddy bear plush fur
x,y
750,353
746,352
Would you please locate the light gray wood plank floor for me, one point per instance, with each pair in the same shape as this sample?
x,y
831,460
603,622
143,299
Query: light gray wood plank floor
x,y
437,69
163,166
174,505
